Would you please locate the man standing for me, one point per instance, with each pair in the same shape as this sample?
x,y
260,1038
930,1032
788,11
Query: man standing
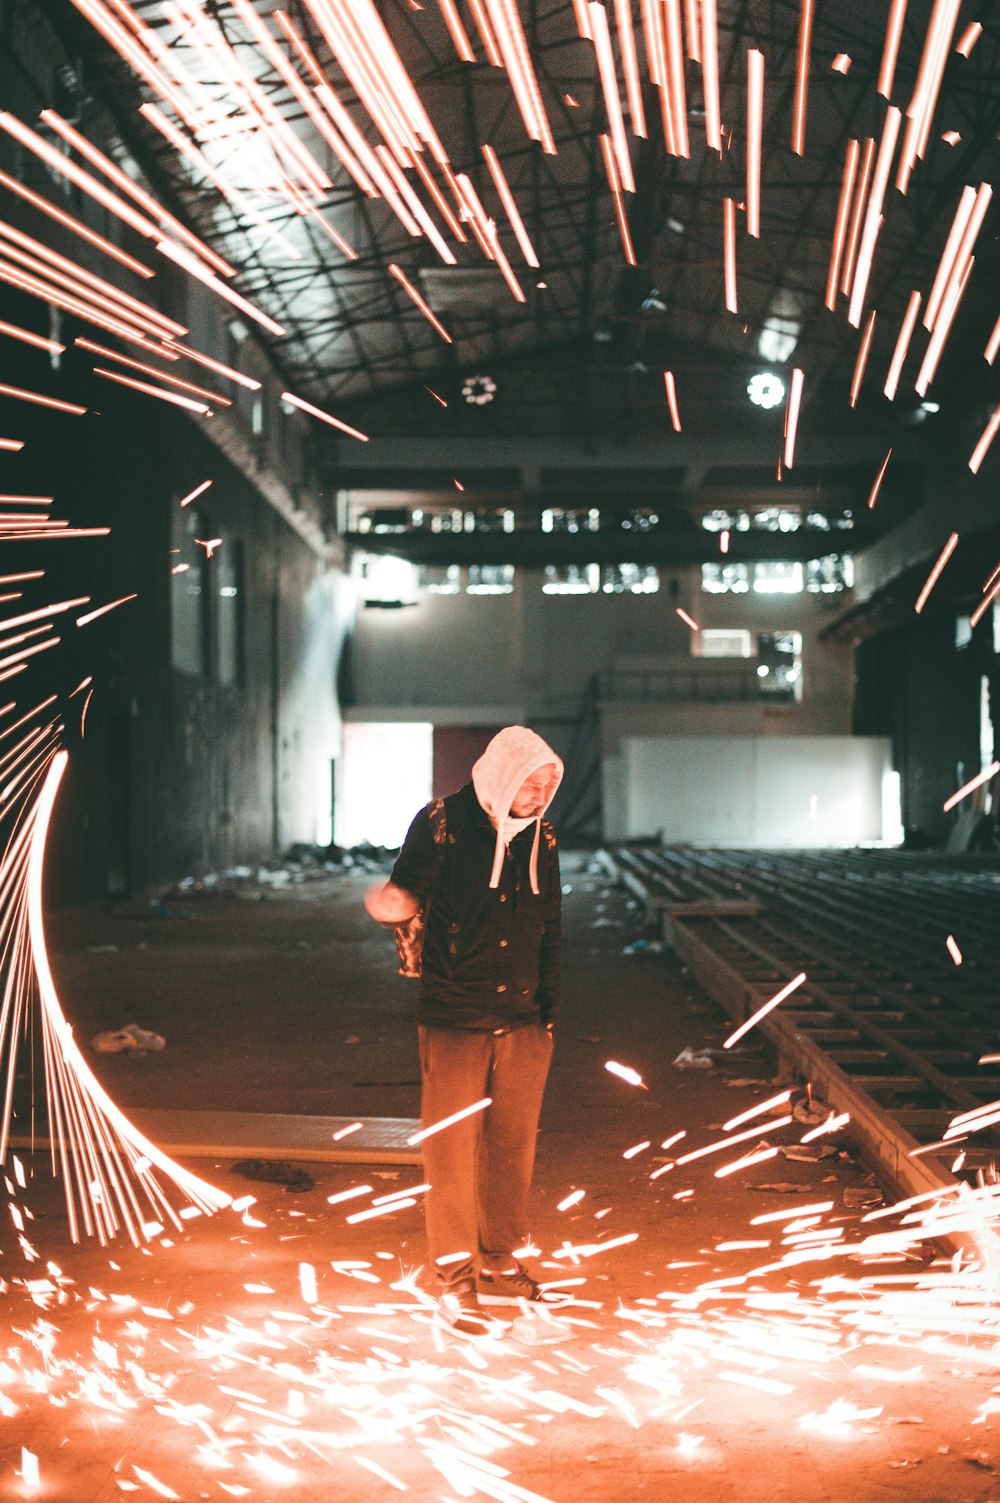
x,y
483,869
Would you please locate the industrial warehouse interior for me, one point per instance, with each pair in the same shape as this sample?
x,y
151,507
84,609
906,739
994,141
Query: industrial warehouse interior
x,y
382,377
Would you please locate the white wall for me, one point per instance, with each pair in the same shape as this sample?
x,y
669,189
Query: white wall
x,y
752,791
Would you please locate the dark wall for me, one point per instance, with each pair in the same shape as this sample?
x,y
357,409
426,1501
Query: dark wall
x,y
177,772
915,685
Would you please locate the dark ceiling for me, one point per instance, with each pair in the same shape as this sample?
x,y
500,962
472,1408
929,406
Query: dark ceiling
x,y
599,334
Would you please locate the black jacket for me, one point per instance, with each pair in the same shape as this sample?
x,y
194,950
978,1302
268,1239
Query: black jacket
x,y
492,956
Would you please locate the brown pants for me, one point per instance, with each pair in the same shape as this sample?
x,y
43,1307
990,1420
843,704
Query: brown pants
x,y
480,1169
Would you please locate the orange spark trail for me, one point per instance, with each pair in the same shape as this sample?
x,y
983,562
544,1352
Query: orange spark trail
x,y
762,1012
199,490
755,126
729,252
40,400
969,787
415,297
792,416
675,417
935,573
840,225
688,620
862,360
148,389
102,610
893,35
873,493
468,1111
326,417
902,345
988,435
802,78
953,949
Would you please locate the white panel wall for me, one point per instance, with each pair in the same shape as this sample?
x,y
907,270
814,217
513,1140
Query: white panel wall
x,y
771,791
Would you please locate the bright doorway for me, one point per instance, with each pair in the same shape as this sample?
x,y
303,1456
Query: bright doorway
x,y
383,779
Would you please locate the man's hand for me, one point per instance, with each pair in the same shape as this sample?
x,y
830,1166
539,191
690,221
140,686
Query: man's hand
x,y
389,904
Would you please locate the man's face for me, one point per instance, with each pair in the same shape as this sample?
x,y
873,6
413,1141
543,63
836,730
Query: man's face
x,y
529,800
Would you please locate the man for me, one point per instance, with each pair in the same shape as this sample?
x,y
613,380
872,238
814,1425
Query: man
x,y
483,868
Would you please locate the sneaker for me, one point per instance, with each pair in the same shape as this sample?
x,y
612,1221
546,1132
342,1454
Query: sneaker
x,y
508,1286
460,1309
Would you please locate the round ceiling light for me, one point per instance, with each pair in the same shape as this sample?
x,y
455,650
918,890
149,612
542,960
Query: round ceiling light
x,y
766,389
478,390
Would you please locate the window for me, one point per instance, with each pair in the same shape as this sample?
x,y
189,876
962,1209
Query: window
x,y
230,615
725,579
830,574
723,642
490,579
637,579
571,579
441,579
189,605
779,664
777,579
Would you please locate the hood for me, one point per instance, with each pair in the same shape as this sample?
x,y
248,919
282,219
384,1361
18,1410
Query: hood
x,y
511,757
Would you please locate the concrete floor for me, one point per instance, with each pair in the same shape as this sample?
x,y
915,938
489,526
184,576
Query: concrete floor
x,y
205,1366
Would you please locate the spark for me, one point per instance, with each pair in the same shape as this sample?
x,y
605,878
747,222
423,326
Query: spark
x,y
352,1194
675,417
979,452
775,1001
626,1073
747,1162
935,573
38,341
953,949
756,1111
113,172
467,1111
325,417
729,252
42,401
630,67
890,52
967,788
573,1199
190,264
199,490
755,126
840,225
741,1137
152,370
12,445
214,365
591,1249
993,345
992,591
724,540
103,610
793,1213
415,297
440,400
507,199
209,545
902,345
383,1210
970,36
873,215
802,78
854,232
862,360
345,1132
832,1124
841,63
611,171
792,416
637,1148
689,621
710,74
877,485
74,226
148,389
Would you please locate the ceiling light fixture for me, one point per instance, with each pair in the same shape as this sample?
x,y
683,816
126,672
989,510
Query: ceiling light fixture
x,y
479,390
766,390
